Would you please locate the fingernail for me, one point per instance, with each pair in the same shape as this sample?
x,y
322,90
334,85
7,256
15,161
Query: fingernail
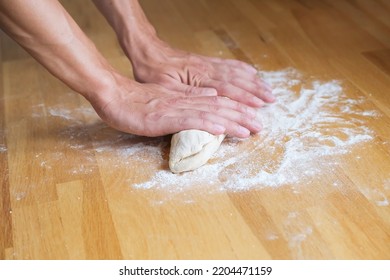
x,y
257,125
258,102
253,70
271,97
244,132
261,102
219,128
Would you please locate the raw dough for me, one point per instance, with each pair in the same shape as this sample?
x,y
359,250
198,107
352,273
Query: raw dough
x,y
191,149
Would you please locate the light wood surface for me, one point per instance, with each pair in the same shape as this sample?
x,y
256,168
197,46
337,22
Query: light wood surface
x,y
63,199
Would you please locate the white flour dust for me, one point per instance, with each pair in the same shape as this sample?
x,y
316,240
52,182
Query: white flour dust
x,y
311,122
378,194
3,148
296,231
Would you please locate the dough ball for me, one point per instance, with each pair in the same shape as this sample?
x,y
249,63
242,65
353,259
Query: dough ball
x,y
191,149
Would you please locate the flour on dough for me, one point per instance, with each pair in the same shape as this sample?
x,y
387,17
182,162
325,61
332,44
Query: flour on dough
x,y
191,149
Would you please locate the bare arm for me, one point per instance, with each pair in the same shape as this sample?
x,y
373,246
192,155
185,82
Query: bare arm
x,y
51,36
155,61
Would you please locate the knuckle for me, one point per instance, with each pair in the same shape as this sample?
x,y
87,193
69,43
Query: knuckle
x,y
224,86
214,108
239,107
190,90
184,121
245,121
203,115
205,124
154,102
246,111
214,100
233,71
153,117
234,80
248,98
172,102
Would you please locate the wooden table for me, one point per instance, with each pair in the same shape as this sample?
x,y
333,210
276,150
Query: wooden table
x,y
69,190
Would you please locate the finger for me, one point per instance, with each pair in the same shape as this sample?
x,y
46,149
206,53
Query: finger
x,y
230,74
213,102
177,124
259,81
249,82
249,122
235,64
193,119
235,124
235,93
261,90
223,109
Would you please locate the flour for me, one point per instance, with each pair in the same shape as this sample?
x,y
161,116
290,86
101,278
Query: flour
x,y
311,122
377,194
3,148
296,232
310,126
63,113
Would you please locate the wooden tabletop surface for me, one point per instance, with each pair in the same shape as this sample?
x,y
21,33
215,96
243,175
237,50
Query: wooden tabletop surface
x,y
73,188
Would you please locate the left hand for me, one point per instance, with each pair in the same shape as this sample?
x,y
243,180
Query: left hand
x,y
195,74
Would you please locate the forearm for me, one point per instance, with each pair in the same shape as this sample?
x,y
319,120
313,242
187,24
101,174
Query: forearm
x,y
134,31
51,36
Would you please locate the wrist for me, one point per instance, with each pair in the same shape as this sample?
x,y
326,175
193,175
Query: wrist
x,y
134,31
98,87
137,44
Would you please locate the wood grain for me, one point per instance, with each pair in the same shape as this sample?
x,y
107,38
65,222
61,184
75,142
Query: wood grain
x,y
64,194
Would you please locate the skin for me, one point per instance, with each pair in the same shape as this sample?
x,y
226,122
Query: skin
x,y
172,91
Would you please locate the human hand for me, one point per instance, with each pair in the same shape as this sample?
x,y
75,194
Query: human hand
x,y
152,110
192,73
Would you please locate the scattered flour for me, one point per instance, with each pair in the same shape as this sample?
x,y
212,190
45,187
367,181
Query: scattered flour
x,y
386,185
378,194
62,113
3,148
310,122
297,232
